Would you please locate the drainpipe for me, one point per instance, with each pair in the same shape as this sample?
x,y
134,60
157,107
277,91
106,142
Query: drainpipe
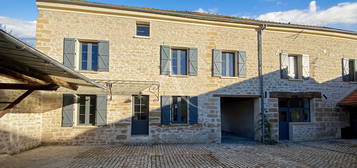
x,y
261,80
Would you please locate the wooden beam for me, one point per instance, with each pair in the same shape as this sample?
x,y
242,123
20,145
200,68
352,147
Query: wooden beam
x,y
19,76
35,78
236,96
13,104
16,86
295,94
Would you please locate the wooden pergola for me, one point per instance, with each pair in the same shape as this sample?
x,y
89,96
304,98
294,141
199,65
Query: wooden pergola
x,y
34,71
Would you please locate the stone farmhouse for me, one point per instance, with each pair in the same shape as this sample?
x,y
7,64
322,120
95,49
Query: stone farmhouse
x,y
141,75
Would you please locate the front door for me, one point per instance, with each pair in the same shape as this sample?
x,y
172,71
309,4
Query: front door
x,y
140,119
292,110
283,123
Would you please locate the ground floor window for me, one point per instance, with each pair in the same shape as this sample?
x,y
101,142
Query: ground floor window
x,y
294,110
87,109
179,109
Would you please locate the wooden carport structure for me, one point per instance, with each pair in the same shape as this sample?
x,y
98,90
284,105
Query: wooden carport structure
x,y
35,71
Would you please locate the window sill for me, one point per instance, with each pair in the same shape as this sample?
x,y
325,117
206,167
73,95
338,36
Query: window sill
x,y
85,126
142,37
88,72
179,76
182,125
229,77
298,80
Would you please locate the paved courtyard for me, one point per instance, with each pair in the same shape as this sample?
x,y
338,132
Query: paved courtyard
x,y
332,153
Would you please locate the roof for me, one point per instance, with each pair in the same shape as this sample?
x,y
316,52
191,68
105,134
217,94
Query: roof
x,y
198,15
350,100
20,57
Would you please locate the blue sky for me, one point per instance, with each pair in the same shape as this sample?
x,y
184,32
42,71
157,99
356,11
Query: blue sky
x,y
20,15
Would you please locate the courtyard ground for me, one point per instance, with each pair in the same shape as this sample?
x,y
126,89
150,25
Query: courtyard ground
x,y
328,153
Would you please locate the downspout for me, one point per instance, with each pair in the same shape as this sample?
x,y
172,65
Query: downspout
x,y
261,79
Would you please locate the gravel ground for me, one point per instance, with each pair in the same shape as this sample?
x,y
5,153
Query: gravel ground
x,y
331,153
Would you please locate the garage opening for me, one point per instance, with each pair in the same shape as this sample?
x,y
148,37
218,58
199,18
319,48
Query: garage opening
x,y
237,117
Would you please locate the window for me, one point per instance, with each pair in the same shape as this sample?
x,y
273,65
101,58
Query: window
x,y
88,56
179,62
294,110
179,109
228,65
141,107
352,70
87,109
293,67
142,29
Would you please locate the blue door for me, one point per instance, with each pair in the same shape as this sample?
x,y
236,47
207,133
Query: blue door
x,y
140,119
292,110
284,123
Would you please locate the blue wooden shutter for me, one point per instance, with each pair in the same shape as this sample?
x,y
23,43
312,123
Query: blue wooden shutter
x,y
193,113
193,61
101,113
242,64
217,62
103,56
165,60
67,110
69,52
165,109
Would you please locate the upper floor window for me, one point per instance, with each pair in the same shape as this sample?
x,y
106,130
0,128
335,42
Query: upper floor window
x,y
349,69
228,64
294,66
88,56
179,62
143,29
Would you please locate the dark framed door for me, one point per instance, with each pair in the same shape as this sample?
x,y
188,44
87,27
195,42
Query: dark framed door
x,y
140,119
292,110
284,123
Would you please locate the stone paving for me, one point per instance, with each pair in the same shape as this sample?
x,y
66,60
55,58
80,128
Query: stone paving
x,y
332,153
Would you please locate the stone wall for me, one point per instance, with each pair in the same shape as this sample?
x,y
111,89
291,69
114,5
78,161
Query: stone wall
x,y
21,128
134,58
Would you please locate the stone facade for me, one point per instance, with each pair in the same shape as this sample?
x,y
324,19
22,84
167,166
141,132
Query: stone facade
x,y
137,58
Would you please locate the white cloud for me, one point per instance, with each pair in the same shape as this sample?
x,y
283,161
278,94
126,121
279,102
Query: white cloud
x,y
19,28
212,11
342,13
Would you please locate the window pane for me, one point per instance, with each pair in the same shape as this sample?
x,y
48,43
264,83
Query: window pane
x,y
231,64
174,62
94,56
142,30
297,115
283,116
283,103
293,67
82,109
183,62
179,110
224,64
84,56
141,107
92,112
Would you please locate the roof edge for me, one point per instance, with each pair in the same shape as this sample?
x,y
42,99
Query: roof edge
x,y
50,60
200,16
